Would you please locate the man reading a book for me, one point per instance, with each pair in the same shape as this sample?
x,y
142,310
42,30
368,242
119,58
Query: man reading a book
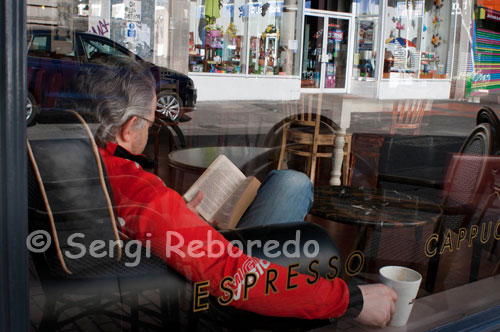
x,y
123,95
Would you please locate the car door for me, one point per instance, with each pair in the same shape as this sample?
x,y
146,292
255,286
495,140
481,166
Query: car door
x,y
52,64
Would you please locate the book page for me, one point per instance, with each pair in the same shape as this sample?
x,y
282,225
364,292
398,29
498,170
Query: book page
x,y
217,183
225,213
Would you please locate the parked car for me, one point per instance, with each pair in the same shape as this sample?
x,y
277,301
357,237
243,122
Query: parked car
x,y
55,56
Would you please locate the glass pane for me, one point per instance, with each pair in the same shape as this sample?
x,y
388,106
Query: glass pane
x,y
331,5
216,37
94,48
336,55
39,47
364,63
402,39
273,33
436,35
313,47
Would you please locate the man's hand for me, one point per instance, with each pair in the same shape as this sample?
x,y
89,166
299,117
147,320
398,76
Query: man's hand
x,y
378,305
195,202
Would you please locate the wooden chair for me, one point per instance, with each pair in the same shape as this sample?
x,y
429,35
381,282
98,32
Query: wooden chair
x,y
303,134
408,114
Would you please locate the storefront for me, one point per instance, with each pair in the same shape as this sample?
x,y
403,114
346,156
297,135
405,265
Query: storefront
x,y
245,50
484,75
259,49
275,50
326,58
403,45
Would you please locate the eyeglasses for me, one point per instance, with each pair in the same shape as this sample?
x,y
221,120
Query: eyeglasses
x,y
154,128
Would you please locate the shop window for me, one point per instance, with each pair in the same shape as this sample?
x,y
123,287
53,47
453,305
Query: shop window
x,y
236,37
273,35
364,63
436,40
331,5
416,38
365,48
216,37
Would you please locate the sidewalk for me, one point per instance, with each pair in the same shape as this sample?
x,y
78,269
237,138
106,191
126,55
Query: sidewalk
x,y
220,118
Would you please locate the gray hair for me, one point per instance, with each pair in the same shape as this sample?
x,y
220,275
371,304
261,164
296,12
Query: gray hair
x,y
115,89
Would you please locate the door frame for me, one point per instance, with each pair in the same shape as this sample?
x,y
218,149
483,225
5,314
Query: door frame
x,y
350,44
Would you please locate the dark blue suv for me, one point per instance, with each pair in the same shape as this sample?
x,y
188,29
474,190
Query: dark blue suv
x,y
56,55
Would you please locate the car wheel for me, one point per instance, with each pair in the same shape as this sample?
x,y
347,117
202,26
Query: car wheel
x,y
31,109
169,104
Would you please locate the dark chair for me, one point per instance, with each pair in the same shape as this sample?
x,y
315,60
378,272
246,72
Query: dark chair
x,y
69,193
466,182
487,115
68,197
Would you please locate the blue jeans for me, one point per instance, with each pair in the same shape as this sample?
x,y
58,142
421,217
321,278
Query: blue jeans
x,y
284,196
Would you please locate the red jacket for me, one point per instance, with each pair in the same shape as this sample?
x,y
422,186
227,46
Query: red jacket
x,y
149,211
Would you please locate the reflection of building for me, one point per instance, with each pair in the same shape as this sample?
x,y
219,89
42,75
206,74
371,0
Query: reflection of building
x,y
485,68
241,49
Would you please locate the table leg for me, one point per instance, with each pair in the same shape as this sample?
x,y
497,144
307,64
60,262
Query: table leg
x,y
338,157
361,238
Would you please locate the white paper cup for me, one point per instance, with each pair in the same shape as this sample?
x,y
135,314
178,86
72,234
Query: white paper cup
x,y
405,282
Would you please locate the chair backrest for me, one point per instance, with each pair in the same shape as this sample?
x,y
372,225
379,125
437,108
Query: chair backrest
x,y
467,176
487,115
69,198
303,112
408,114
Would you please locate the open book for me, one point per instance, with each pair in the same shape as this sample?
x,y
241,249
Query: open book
x,y
227,192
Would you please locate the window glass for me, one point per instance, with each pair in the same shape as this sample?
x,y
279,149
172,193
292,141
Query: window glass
x,y
417,35
264,33
54,46
238,37
402,39
339,6
93,48
436,31
39,46
216,36
365,47
232,76
272,38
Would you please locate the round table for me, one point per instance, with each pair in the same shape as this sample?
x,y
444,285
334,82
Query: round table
x,y
373,208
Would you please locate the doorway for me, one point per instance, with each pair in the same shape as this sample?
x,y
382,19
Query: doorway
x,y
326,56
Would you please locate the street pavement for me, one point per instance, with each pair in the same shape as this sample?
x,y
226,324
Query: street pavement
x,y
447,118
249,121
